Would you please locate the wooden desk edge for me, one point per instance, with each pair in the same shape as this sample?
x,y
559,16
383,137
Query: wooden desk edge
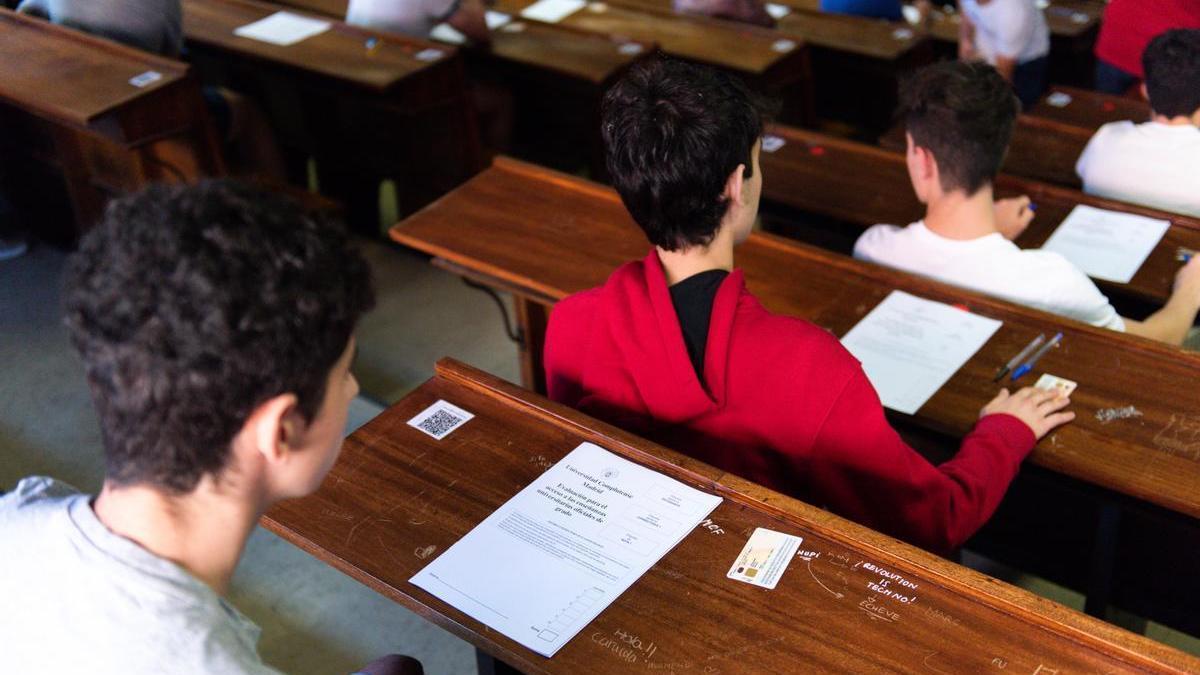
x,y
176,71
1088,632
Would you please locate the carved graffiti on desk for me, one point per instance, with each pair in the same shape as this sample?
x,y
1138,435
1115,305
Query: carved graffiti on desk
x,y
1181,437
878,612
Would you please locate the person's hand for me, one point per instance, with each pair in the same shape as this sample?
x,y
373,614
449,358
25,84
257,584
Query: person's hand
x,y
1013,215
1039,409
1187,280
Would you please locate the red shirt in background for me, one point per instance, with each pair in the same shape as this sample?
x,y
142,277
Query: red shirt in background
x,y
1130,25
782,403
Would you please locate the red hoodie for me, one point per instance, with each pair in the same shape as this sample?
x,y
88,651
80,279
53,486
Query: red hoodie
x,y
1130,25
783,404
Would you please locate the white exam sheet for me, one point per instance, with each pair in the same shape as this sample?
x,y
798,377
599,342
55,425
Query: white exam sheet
x,y
909,347
282,28
552,11
553,557
1106,244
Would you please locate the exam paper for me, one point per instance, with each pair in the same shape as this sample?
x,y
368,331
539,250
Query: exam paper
x,y
553,557
496,19
909,347
283,28
1106,244
552,11
444,32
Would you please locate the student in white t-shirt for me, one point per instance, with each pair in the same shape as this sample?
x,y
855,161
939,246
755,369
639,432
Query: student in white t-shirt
x,y
1012,36
959,119
418,17
1155,163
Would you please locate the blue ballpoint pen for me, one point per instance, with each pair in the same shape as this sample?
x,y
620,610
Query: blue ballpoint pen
x,y
1028,365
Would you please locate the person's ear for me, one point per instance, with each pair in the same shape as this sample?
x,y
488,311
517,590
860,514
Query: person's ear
x,y
276,427
734,184
1145,92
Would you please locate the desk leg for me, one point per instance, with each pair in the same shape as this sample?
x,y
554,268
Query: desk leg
x,y
531,319
1104,557
489,665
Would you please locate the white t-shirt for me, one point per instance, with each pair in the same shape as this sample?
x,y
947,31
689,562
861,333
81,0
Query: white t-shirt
x,y
80,599
1154,164
411,17
993,265
1014,29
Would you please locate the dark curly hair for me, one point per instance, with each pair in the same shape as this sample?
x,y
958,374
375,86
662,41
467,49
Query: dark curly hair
x,y
964,114
192,305
673,133
1172,65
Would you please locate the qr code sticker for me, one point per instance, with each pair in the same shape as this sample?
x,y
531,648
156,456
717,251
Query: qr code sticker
x,y
440,419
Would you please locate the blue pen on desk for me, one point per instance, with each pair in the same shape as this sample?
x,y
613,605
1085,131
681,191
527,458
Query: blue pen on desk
x,y
1028,365
1184,255
1016,360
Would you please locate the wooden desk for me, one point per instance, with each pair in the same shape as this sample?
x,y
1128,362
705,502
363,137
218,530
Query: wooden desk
x,y
397,498
556,49
366,104
864,186
105,134
1064,18
1090,110
544,235
751,50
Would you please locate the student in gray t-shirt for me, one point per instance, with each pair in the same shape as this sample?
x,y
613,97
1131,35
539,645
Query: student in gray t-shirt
x,y
153,25
418,17
216,327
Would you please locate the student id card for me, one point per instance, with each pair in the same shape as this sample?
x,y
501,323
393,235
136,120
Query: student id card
x,y
765,558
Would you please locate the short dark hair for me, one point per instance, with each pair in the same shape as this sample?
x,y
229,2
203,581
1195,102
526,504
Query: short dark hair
x,y
1172,65
191,306
963,113
673,133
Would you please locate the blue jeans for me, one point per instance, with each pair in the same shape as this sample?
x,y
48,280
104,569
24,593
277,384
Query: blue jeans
x,y
1111,79
1029,80
881,9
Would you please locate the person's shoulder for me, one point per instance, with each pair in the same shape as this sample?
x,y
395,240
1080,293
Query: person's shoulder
x,y
783,340
34,490
878,240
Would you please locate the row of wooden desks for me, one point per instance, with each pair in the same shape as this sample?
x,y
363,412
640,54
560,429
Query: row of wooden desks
x,y
544,236
397,498
365,104
108,117
1086,109
865,186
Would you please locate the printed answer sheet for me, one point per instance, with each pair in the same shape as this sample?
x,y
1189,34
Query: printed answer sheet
x,y
553,557
909,347
283,28
552,11
1106,244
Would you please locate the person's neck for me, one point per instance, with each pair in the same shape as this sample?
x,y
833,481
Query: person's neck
x,y
1192,120
955,215
687,262
203,532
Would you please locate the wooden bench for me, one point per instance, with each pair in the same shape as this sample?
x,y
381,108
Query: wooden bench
x,y
1089,110
105,117
397,498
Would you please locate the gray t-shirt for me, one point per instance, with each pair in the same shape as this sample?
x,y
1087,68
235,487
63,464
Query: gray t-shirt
x,y
153,25
80,599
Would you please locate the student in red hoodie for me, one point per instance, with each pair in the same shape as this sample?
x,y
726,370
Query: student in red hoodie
x,y
674,348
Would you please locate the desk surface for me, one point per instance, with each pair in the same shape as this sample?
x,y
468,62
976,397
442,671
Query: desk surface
x,y
559,49
71,77
545,235
889,41
866,185
1090,109
397,498
341,53
1064,18
749,49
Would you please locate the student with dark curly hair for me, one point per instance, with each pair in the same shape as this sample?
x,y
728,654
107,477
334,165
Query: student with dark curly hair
x,y
1155,162
673,346
959,119
216,327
